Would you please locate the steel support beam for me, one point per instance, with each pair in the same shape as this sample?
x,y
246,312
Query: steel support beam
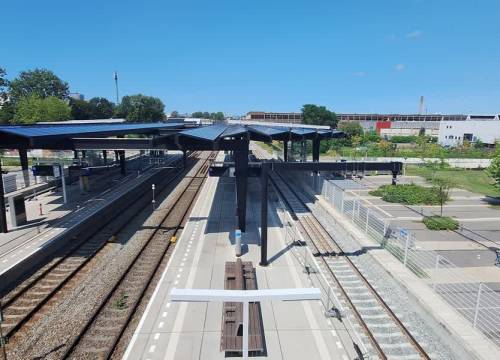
x,y
23,157
3,217
123,166
263,214
316,143
241,174
285,150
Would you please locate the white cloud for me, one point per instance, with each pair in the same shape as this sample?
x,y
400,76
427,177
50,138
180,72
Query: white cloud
x,y
415,34
399,67
360,74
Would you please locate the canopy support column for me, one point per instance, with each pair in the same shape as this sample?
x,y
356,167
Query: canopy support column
x,y
316,143
105,157
263,214
123,168
285,150
23,157
3,217
241,174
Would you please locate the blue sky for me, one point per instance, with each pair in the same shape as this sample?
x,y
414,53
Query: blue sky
x,y
236,56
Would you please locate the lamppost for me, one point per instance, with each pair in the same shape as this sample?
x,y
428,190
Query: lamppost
x,y
153,188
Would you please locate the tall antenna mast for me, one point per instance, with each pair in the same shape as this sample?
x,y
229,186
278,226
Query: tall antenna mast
x,y
116,86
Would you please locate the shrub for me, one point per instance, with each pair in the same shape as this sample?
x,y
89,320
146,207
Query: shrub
x,y
402,139
440,223
409,194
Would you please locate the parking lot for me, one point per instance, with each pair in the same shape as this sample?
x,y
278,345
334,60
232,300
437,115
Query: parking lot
x,y
472,248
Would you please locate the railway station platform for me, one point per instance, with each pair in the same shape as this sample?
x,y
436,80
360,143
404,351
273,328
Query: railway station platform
x,y
292,330
57,218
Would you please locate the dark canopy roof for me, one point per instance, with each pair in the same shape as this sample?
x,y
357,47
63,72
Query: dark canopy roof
x,y
215,133
168,135
59,136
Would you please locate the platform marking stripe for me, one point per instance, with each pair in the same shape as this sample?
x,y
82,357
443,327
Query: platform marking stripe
x,y
181,314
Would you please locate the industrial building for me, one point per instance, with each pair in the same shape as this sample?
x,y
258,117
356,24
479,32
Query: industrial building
x,y
453,133
293,118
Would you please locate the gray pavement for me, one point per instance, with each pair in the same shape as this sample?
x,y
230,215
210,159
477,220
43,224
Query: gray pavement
x,y
293,330
471,248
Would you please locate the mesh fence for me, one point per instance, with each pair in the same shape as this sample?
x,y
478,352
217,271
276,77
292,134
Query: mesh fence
x,y
331,303
477,302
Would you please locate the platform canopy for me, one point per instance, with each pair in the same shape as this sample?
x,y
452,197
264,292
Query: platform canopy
x,y
218,135
59,136
169,136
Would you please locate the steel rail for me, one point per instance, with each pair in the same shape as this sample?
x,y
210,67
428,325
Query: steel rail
x,y
73,346
11,301
377,296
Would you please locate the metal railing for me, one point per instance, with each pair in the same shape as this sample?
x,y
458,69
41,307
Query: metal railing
x,y
331,303
474,300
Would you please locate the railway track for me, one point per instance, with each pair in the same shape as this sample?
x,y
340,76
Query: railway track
x,y
388,336
101,333
36,294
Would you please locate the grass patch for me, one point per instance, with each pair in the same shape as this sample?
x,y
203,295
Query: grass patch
x,y
476,181
121,302
409,194
440,223
270,147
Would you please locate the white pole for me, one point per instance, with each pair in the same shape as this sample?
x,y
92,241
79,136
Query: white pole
x,y
65,199
245,329
478,300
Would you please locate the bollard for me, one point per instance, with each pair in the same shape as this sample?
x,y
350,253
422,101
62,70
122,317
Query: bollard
x,y
237,237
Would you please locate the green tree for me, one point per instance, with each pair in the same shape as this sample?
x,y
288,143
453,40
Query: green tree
x,y
140,108
494,168
32,109
217,115
174,114
102,108
4,84
6,107
351,128
40,82
442,187
318,115
80,109
7,112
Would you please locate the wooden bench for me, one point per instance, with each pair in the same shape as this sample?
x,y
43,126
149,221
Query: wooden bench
x,y
240,275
